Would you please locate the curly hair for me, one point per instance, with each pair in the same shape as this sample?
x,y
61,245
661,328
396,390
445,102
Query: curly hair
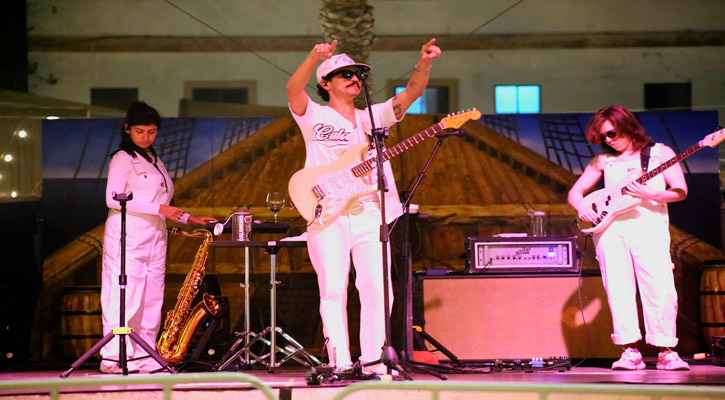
x,y
323,93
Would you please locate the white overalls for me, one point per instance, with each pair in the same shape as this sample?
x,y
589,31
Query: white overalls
x,y
356,231
634,252
146,239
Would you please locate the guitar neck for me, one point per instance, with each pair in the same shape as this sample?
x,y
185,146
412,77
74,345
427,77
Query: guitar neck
x,y
399,148
672,161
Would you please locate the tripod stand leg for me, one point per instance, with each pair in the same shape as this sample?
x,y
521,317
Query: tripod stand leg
x,y
418,330
389,359
152,352
415,367
88,354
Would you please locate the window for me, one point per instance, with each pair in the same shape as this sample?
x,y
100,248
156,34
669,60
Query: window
x,y
433,101
517,99
221,95
439,97
118,98
234,92
668,95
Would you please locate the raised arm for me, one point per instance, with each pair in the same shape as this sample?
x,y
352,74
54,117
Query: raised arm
x,y
417,83
296,84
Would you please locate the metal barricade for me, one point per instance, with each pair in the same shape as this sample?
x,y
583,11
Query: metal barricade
x,y
165,382
435,388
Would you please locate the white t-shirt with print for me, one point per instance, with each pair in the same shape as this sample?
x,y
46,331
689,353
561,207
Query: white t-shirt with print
x,y
328,135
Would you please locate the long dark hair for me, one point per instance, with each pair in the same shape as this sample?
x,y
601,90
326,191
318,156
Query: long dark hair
x,y
139,113
624,122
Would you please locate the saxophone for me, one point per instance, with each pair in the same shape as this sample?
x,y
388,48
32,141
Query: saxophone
x,y
181,322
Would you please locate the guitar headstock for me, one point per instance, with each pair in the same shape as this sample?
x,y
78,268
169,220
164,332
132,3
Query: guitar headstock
x,y
455,121
714,138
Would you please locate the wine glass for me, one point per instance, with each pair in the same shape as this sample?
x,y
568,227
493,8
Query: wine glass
x,y
275,203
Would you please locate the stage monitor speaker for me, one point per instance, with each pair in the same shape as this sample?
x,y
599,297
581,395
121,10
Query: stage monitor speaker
x,y
507,317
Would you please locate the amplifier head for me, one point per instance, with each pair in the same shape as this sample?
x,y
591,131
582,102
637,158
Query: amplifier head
x,y
506,255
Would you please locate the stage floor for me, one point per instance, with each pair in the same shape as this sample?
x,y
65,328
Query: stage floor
x,y
289,382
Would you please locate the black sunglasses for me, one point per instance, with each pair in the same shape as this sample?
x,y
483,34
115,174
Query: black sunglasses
x,y
609,134
347,74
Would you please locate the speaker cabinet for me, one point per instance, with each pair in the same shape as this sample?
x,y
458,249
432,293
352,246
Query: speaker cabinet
x,y
508,317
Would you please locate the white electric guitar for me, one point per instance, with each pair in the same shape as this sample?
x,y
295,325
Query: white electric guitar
x,y
612,201
321,193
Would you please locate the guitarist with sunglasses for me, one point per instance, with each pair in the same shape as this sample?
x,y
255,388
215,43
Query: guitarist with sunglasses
x,y
329,130
634,249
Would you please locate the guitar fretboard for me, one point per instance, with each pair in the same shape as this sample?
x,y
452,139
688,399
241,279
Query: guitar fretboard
x,y
369,164
672,161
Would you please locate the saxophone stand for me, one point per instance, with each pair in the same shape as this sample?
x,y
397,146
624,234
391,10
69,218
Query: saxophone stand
x,y
193,360
122,331
388,356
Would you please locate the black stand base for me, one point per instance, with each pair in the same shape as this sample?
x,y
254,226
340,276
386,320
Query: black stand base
x,y
121,363
389,358
193,361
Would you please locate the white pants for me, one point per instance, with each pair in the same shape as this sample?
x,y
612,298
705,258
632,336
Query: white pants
x,y
635,253
355,232
146,240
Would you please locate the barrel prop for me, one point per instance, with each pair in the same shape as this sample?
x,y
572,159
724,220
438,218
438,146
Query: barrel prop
x,y
712,300
81,323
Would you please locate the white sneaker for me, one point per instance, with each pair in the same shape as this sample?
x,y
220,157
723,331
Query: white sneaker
x,y
115,369
670,361
380,369
631,359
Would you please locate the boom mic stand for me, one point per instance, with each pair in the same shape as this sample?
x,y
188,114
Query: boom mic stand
x,y
407,352
122,330
388,356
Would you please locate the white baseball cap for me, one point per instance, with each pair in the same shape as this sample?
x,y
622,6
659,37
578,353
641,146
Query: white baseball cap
x,y
336,62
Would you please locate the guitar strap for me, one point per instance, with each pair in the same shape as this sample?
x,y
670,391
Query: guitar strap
x,y
644,156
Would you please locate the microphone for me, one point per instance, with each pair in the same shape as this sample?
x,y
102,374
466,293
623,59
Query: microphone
x,y
445,134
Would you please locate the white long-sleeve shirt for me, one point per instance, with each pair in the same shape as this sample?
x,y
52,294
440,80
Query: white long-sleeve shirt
x,y
151,186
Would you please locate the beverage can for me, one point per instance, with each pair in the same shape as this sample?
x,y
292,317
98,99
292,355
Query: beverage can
x,y
241,225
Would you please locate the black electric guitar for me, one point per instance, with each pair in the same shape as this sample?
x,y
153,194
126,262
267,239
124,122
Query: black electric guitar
x,y
612,201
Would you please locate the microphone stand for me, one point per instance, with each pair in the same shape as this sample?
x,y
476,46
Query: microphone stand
x,y
407,352
122,329
388,356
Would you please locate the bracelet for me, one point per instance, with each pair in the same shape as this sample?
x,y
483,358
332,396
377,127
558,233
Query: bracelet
x,y
423,70
184,219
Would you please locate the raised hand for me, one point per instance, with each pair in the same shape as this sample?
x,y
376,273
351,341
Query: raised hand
x,y
428,53
323,51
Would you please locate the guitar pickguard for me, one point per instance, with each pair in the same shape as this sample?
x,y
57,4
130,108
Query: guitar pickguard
x,y
338,188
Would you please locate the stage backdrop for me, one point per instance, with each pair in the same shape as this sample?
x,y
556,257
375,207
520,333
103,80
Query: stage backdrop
x,y
76,154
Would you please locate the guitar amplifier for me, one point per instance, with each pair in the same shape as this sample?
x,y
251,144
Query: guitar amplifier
x,y
496,255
